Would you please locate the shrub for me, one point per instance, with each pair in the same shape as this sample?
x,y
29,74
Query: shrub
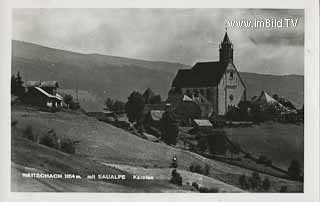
x,y
203,190
47,140
196,168
206,170
195,185
208,190
244,184
266,184
255,180
28,133
67,146
294,170
264,160
169,128
217,143
176,178
283,189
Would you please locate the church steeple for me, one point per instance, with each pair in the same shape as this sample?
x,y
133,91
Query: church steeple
x,y
226,49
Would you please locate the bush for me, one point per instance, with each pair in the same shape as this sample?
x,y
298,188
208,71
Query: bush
x,y
233,114
283,189
266,184
264,160
67,146
196,168
169,128
207,190
294,170
47,140
195,185
176,178
217,143
203,190
255,180
244,184
68,99
28,133
206,169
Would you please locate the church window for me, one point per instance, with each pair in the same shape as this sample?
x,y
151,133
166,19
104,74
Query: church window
x,y
231,97
231,75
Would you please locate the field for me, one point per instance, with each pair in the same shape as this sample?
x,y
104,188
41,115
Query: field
x,y
280,142
104,145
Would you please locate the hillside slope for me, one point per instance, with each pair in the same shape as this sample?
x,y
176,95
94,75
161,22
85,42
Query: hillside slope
x,y
108,76
104,143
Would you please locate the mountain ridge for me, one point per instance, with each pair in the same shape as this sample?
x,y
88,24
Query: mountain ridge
x,y
116,77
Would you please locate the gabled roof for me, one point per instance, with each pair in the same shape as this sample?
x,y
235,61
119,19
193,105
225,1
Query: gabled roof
x,y
48,94
156,115
202,122
202,74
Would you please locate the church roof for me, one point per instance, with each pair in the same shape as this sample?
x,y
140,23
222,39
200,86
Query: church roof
x,y
226,39
202,74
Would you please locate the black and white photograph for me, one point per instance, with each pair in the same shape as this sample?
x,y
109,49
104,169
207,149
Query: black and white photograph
x,y
158,100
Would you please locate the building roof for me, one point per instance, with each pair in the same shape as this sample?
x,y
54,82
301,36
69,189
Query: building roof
x,y
226,39
186,98
48,94
156,115
202,74
202,122
42,84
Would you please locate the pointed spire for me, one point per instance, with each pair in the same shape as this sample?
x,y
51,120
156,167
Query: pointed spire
x,y
226,39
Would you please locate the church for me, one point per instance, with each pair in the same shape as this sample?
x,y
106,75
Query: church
x,y
216,84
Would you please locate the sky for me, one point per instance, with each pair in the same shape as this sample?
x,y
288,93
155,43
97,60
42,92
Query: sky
x,y
175,35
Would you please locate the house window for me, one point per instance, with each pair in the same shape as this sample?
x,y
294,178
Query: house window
x,y
231,97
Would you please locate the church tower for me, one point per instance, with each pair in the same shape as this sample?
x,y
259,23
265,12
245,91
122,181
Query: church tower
x,y
226,49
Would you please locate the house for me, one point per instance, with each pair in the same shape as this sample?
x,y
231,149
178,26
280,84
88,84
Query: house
x,y
219,82
43,94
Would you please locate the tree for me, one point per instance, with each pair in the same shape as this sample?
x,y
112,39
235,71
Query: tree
x,y
255,180
118,106
13,84
155,99
266,184
294,170
202,144
169,128
68,99
134,107
244,109
176,178
217,142
17,85
244,184
109,103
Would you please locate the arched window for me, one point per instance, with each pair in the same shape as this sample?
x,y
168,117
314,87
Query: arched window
x,y
231,97
231,75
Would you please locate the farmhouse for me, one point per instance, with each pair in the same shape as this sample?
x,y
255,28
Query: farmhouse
x,y
43,94
217,83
